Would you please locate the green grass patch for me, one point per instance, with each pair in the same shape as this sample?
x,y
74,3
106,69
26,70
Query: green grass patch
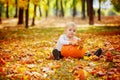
x,y
51,32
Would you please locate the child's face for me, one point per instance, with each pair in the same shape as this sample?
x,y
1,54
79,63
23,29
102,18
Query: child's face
x,y
70,31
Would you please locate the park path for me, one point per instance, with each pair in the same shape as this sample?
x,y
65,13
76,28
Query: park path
x,y
60,22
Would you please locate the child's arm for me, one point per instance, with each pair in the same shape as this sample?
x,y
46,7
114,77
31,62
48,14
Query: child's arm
x,y
75,42
63,41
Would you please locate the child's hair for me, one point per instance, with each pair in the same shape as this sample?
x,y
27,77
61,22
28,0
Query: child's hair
x,y
69,24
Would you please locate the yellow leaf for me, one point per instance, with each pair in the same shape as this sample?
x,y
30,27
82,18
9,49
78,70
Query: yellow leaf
x,y
26,77
21,69
85,57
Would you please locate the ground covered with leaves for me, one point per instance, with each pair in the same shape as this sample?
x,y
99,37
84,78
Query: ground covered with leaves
x,y
24,55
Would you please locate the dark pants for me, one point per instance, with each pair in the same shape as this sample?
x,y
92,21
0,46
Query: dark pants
x,y
98,52
57,54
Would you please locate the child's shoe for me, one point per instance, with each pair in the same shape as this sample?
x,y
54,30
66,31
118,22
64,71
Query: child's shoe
x,y
56,54
98,52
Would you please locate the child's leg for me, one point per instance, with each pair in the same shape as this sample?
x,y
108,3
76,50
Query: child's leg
x,y
56,54
61,55
88,54
98,52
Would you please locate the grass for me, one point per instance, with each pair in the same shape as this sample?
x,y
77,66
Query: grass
x,y
42,32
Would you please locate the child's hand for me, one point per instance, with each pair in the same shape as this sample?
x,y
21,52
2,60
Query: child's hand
x,y
74,43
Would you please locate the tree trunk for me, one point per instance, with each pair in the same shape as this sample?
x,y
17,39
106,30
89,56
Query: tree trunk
x,y
91,13
20,18
7,10
56,8
87,7
1,12
99,11
0,17
83,9
27,16
16,8
40,11
47,9
0,20
33,21
62,10
74,8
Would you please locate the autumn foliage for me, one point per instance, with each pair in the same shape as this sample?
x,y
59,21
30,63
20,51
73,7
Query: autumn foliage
x,y
24,56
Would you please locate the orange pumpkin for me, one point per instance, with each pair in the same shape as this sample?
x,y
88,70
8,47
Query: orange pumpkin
x,y
81,74
72,51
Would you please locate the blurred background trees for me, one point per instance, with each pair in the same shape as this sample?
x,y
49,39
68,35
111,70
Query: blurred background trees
x,y
116,5
32,9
